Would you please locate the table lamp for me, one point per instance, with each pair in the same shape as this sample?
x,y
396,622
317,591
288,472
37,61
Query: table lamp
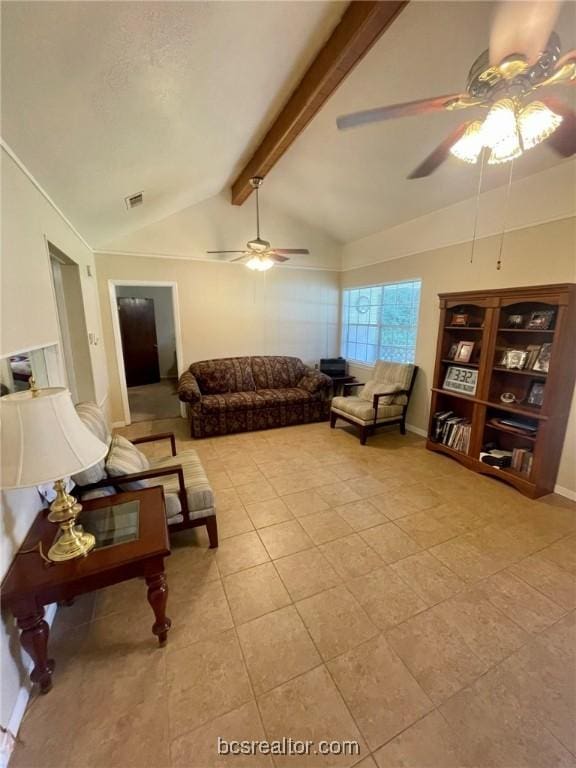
x,y
44,440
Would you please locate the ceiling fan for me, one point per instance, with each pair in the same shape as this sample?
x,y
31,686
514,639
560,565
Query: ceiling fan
x,y
259,254
507,85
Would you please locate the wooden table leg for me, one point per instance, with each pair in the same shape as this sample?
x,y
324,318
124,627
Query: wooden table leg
x,y
157,597
34,639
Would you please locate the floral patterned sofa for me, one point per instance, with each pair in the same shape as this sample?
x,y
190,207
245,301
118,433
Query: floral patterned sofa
x,y
241,394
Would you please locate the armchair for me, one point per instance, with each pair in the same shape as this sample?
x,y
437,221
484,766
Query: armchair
x,y
188,496
382,401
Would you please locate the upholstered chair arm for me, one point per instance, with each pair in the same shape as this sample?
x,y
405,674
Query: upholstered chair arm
x,y
147,474
314,381
376,398
188,389
154,438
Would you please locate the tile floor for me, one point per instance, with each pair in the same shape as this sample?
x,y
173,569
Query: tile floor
x,y
154,401
379,594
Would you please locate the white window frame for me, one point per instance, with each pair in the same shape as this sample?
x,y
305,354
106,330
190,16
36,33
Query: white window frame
x,y
345,324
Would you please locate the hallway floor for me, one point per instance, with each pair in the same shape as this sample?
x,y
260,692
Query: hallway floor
x,y
154,401
381,594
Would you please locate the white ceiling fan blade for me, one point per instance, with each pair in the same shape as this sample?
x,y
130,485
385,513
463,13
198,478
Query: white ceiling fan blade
x,y
523,28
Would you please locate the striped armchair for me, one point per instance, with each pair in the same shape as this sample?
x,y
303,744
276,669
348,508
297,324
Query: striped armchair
x,y
188,496
382,401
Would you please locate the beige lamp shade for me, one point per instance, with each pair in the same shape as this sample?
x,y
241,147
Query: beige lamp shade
x,y
43,438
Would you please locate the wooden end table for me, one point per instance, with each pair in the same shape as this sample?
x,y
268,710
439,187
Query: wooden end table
x,y
131,541
338,383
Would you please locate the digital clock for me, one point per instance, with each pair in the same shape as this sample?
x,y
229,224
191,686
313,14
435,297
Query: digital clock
x,y
461,379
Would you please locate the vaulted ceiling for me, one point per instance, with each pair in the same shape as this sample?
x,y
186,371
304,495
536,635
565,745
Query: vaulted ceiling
x,y
104,99
101,100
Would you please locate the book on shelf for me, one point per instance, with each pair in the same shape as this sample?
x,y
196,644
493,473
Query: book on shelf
x,y
522,459
523,425
451,430
496,458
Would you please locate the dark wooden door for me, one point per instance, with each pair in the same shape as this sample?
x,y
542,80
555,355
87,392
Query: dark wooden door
x,y
139,343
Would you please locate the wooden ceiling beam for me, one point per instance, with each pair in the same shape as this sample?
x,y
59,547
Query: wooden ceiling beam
x,y
360,27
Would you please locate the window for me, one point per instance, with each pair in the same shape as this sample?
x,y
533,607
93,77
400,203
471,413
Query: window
x,y
380,322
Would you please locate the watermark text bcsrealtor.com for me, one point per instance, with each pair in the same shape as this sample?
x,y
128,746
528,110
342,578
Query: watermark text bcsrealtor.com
x,y
287,746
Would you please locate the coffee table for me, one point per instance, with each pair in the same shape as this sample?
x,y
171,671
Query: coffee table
x,y
131,541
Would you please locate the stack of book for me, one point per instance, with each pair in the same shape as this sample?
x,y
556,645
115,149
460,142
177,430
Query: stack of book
x,y
451,430
522,460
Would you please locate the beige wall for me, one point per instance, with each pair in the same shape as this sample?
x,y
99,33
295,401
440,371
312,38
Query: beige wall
x,y
225,309
29,319
531,256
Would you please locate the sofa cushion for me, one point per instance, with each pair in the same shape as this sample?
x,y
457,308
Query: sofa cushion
x,y
125,459
277,372
198,491
362,411
231,401
287,396
229,374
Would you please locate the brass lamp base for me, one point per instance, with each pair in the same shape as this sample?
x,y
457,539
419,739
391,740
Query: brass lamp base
x,y
73,542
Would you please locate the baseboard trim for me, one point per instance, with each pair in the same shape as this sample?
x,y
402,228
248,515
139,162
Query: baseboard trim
x,y
416,430
566,492
8,737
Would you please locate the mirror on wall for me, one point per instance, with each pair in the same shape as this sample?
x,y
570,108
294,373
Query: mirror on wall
x,y
42,363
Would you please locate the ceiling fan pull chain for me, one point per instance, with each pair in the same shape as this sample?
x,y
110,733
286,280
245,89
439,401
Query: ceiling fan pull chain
x,y
477,212
507,200
257,215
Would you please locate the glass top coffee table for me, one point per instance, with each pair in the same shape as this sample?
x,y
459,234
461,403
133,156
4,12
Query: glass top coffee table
x,y
131,542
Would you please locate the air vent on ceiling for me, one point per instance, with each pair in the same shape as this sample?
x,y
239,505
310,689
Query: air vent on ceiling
x,y
134,200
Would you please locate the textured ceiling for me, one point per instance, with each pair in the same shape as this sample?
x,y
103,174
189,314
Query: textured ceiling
x,y
104,99
354,183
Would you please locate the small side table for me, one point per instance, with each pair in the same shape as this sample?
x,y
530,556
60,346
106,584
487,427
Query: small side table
x,y
131,542
339,381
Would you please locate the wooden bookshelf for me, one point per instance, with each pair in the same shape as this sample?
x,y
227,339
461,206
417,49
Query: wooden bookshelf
x,y
490,316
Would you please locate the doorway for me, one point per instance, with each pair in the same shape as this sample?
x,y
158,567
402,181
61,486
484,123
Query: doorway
x,y
72,325
148,347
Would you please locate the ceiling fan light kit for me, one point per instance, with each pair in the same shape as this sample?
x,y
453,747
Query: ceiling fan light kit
x,y
516,120
508,130
259,255
260,263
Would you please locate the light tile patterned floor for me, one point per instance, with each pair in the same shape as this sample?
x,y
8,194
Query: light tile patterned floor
x,y
382,594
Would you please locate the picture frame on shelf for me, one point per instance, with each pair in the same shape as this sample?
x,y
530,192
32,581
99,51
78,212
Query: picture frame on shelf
x,y
464,351
542,363
515,321
452,352
541,320
536,394
459,318
514,359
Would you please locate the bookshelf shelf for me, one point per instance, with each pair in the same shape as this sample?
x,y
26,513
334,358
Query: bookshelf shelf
x,y
502,428
526,330
462,365
529,413
451,393
516,372
545,395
